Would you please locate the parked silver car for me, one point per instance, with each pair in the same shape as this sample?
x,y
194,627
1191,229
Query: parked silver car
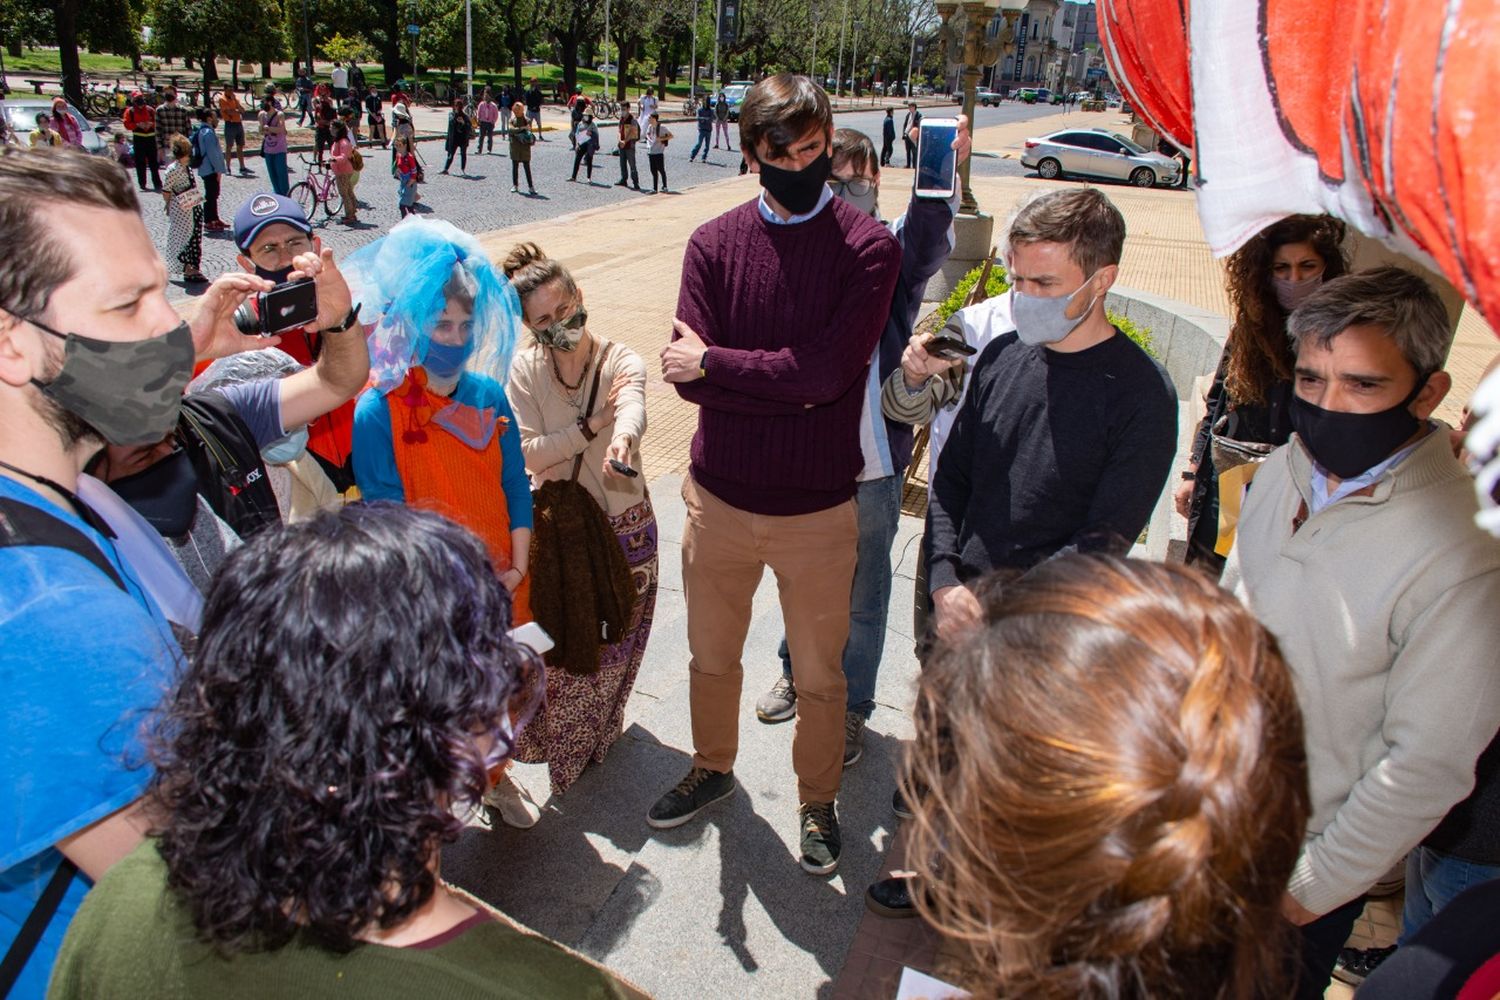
x,y
1098,152
21,112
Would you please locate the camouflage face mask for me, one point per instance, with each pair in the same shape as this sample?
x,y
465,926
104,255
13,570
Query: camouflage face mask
x,y
130,391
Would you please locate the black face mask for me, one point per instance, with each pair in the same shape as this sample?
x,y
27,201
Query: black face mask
x,y
797,191
280,276
1347,444
166,494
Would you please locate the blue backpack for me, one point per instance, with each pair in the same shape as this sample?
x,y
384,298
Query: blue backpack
x,y
196,159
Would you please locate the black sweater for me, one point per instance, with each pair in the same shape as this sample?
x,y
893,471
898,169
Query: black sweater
x,y
1050,451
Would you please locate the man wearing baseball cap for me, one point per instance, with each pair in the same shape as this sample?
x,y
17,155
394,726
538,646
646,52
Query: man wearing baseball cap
x,y
270,231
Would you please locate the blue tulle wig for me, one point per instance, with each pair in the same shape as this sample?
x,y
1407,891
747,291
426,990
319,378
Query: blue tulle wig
x,y
404,280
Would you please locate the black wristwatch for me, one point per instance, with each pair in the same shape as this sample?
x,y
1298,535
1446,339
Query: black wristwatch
x,y
349,321
1189,475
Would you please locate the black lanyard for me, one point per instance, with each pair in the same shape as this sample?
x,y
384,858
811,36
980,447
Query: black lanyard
x,y
85,513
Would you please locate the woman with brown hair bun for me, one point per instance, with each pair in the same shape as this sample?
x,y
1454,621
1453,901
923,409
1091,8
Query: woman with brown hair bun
x,y
552,379
1114,779
1248,403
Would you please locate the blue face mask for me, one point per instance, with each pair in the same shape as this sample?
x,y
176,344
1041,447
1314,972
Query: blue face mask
x,y
445,361
287,449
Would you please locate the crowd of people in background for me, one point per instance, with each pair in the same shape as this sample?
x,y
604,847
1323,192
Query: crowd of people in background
x,y
313,550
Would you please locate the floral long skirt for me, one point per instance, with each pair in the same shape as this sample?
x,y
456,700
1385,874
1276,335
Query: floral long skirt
x,y
584,713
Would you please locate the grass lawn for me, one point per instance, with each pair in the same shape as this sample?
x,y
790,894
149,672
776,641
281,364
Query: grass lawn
x,y
46,61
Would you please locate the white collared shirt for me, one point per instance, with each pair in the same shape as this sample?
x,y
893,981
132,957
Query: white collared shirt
x,y
769,214
1323,497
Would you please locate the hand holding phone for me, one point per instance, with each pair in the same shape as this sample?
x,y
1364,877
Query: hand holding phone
x,y
937,160
949,348
622,468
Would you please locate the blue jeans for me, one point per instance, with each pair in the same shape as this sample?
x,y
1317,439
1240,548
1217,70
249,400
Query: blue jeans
x,y
276,171
703,137
878,503
1432,881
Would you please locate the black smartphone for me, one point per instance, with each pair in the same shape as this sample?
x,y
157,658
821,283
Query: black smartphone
x,y
287,307
937,160
949,348
622,468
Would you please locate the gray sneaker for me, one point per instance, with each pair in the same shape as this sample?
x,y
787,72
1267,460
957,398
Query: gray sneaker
x,y
854,737
778,704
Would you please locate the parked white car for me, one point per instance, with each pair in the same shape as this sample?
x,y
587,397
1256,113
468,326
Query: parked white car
x,y
1098,153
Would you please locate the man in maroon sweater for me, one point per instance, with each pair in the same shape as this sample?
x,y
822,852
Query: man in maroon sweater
x,y
782,302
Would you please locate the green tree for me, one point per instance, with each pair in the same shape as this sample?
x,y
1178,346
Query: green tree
x,y
520,21
101,25
204,29
572,24
347,50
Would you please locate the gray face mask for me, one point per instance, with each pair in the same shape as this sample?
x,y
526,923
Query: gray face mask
x,y
859,193
1041,320
129,391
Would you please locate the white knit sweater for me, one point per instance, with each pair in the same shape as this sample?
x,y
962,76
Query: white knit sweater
x,y
1387,609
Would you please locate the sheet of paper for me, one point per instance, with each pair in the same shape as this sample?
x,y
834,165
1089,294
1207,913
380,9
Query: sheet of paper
x,y
920,986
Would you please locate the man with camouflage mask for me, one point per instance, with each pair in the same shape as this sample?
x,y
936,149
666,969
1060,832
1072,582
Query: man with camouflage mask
x,y
90,352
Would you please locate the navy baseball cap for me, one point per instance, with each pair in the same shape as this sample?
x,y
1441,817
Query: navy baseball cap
x,y
262,210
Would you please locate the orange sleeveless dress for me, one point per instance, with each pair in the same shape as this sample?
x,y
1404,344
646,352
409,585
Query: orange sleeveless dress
x,y
442,473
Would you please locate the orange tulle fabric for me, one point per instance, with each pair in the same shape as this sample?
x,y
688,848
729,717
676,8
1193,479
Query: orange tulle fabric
x,y
439,472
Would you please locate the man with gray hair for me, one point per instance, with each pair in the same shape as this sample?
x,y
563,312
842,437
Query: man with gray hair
x,y
1357,548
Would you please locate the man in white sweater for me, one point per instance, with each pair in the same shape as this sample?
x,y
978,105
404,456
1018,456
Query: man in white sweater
x,y
1357,548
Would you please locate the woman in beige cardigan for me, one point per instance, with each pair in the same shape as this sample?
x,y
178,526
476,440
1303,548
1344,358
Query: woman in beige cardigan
x,y
549,386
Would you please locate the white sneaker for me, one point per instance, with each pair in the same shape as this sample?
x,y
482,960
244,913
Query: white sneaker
x,y
513,803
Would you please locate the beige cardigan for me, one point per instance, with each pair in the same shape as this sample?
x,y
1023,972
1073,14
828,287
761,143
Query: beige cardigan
x,y
1387,608
550,438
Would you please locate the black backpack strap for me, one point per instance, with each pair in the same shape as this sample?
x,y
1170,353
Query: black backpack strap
x,y
19,952
21,524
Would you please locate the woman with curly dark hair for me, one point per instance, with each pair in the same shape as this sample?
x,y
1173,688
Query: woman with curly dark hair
x,y
1248,403
1114,790
354,682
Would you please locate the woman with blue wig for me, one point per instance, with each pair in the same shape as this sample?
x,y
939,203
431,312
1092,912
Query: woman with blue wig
x,y
434,429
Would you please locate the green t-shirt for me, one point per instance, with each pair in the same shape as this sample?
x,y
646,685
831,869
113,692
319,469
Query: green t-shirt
x,y
131,938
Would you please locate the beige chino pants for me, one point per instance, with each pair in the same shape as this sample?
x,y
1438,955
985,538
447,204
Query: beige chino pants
x,y
724,552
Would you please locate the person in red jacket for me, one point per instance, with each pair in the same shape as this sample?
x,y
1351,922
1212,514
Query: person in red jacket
x,y
140,121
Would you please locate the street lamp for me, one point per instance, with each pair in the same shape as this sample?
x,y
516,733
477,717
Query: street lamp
x,y
854,57
978,50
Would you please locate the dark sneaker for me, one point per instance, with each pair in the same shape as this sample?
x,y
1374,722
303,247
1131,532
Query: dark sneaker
x,y
1354,964
820,838
854,737
899,806
700,788
891,897
778,704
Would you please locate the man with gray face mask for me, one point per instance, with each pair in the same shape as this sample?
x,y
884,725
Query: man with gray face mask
x,y
1066,432
1065,429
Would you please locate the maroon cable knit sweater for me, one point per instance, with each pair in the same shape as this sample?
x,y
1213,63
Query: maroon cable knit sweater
x,y
791,314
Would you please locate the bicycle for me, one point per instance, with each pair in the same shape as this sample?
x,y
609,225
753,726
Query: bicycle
x,y
319,186
426,97
604,106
